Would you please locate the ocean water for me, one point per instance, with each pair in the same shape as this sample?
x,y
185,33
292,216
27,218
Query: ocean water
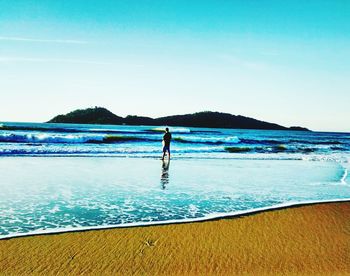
x,y
63,177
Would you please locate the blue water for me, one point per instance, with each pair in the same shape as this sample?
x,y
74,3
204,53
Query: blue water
x,y
144,141
95,183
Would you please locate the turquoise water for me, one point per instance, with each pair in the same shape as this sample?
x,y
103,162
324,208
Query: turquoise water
x,y
51,185
26,139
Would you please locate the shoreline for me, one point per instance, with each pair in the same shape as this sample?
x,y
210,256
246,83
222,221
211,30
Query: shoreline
x,y
309,239
208,218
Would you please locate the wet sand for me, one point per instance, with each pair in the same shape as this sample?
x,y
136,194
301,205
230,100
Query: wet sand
x,y
312,239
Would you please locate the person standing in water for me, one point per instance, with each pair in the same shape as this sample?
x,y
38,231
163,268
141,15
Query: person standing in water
x,y
166,143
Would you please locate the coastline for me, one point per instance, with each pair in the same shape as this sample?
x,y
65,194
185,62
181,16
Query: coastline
x,y
211,217
303,239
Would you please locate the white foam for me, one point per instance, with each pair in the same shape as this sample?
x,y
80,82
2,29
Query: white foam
x,y
173,129
230,139
325,157
49,138
345,175
174,221
55,209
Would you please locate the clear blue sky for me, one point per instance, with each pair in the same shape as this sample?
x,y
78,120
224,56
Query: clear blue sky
x,y
286,62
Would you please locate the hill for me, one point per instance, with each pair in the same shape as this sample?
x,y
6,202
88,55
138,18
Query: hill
x,y
217,120
208,119
97,115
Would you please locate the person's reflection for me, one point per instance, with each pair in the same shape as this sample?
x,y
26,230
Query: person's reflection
x,y
164,178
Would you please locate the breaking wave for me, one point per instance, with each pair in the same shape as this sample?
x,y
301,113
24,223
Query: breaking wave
x,y
172,129
208,140
66,139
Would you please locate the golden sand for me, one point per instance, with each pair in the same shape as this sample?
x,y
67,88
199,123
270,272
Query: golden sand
x,y
313,239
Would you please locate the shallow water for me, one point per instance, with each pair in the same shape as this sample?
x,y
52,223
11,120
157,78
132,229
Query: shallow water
x,y
57,194
57,177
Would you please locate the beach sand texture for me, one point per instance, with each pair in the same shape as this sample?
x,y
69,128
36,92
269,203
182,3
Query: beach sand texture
x,y
313,239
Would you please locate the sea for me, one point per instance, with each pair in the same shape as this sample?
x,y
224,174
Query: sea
x,y
71,177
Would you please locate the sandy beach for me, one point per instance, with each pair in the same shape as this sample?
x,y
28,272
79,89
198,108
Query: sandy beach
x,y
312,239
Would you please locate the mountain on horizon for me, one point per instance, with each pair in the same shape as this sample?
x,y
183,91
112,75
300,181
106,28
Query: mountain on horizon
x,y
205,119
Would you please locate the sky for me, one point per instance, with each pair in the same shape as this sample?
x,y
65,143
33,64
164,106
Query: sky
x,y
286,62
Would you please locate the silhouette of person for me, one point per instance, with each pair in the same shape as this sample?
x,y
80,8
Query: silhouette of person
x,y
164,178
166,143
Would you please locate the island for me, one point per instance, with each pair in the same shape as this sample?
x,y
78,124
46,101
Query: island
x,y
205,119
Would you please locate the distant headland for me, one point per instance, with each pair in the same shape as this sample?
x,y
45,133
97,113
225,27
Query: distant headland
x,y
206,119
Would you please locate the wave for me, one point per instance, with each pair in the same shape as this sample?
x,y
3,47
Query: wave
x,y
70,130
74,138
116,139
289,141
104,130
206,131
44,138
91,150
208,140
207,217
275,149
231,144
172,130
327,142
206,153
261,141
271,149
